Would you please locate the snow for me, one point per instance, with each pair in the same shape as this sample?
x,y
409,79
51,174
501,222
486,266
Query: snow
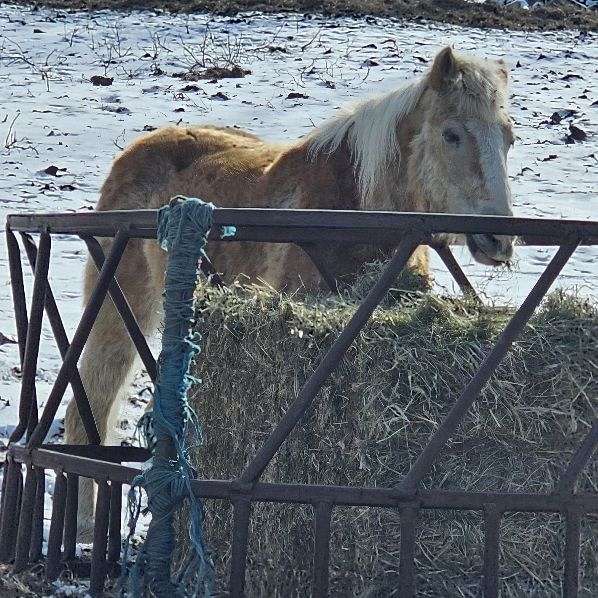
x,y
52,115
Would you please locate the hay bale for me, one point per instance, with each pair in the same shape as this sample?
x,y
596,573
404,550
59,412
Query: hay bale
x,y
374,416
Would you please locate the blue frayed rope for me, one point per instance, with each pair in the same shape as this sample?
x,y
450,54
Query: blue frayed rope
x,y
182,230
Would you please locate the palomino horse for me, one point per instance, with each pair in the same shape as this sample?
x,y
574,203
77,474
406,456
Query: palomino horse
x,y
438,144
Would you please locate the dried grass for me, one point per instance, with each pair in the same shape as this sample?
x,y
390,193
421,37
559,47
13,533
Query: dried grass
x,y
374,416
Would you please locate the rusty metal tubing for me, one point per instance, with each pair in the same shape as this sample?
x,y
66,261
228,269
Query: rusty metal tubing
x,y
470,393
20,307
580,459
114,525
34,329
37,531
70,517
330,361
100,540
124,309
238,560
321,562
10,510
409,515
79,339
572,545
312,252
490,579
337,495
452,265
56,527
102,452
300,225
25,520
63,344
208,270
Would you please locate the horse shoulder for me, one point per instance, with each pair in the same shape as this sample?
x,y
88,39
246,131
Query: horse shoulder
x,y
300,180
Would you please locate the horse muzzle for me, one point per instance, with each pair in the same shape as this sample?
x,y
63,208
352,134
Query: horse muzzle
x,y
491,250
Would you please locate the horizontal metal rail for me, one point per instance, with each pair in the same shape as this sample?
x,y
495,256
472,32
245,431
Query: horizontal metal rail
x,y
314,494
304,226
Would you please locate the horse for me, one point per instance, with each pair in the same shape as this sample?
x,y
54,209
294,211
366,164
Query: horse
x,y
437,144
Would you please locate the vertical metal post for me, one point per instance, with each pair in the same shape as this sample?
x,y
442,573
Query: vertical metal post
x,y
572,545
37,531
10,510
56,526
25,520
409,515
321,564
492,516
100,540
238,561
114,532
70,517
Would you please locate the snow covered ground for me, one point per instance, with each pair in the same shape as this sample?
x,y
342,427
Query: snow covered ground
x,y
59,132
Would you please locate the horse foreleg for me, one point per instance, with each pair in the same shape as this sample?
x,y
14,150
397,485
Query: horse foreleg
x,y
106,365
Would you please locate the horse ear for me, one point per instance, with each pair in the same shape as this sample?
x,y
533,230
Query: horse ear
x,y
445,68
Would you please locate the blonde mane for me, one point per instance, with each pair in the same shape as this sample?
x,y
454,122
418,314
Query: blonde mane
x,y
371,127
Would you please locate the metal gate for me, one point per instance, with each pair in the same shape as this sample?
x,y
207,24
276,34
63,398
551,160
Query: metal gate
x,y
21,527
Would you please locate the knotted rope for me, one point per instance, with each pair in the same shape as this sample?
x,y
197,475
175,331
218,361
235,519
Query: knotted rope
x,y
182,230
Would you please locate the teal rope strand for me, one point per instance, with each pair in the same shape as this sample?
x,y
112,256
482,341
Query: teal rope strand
x,y
182,230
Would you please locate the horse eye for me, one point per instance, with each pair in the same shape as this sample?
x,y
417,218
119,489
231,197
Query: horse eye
x,y
451,137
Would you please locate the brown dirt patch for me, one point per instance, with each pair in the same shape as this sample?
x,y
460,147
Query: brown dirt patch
x,y
458,12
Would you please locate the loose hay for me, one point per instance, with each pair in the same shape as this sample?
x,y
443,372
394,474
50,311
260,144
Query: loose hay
x,y
374,416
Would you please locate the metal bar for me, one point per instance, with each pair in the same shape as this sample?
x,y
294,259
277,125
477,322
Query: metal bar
x,y
3,466
79,339
238,560
452,265
37,531
56,526
321,562
470,393
572,544
337,495
114,532
330,361
209,271
100,540
312,252
492,517
125,311
63,344
579,460
20,309
409,516
25,520
70,517
102,452
379,226
10,510
34,330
